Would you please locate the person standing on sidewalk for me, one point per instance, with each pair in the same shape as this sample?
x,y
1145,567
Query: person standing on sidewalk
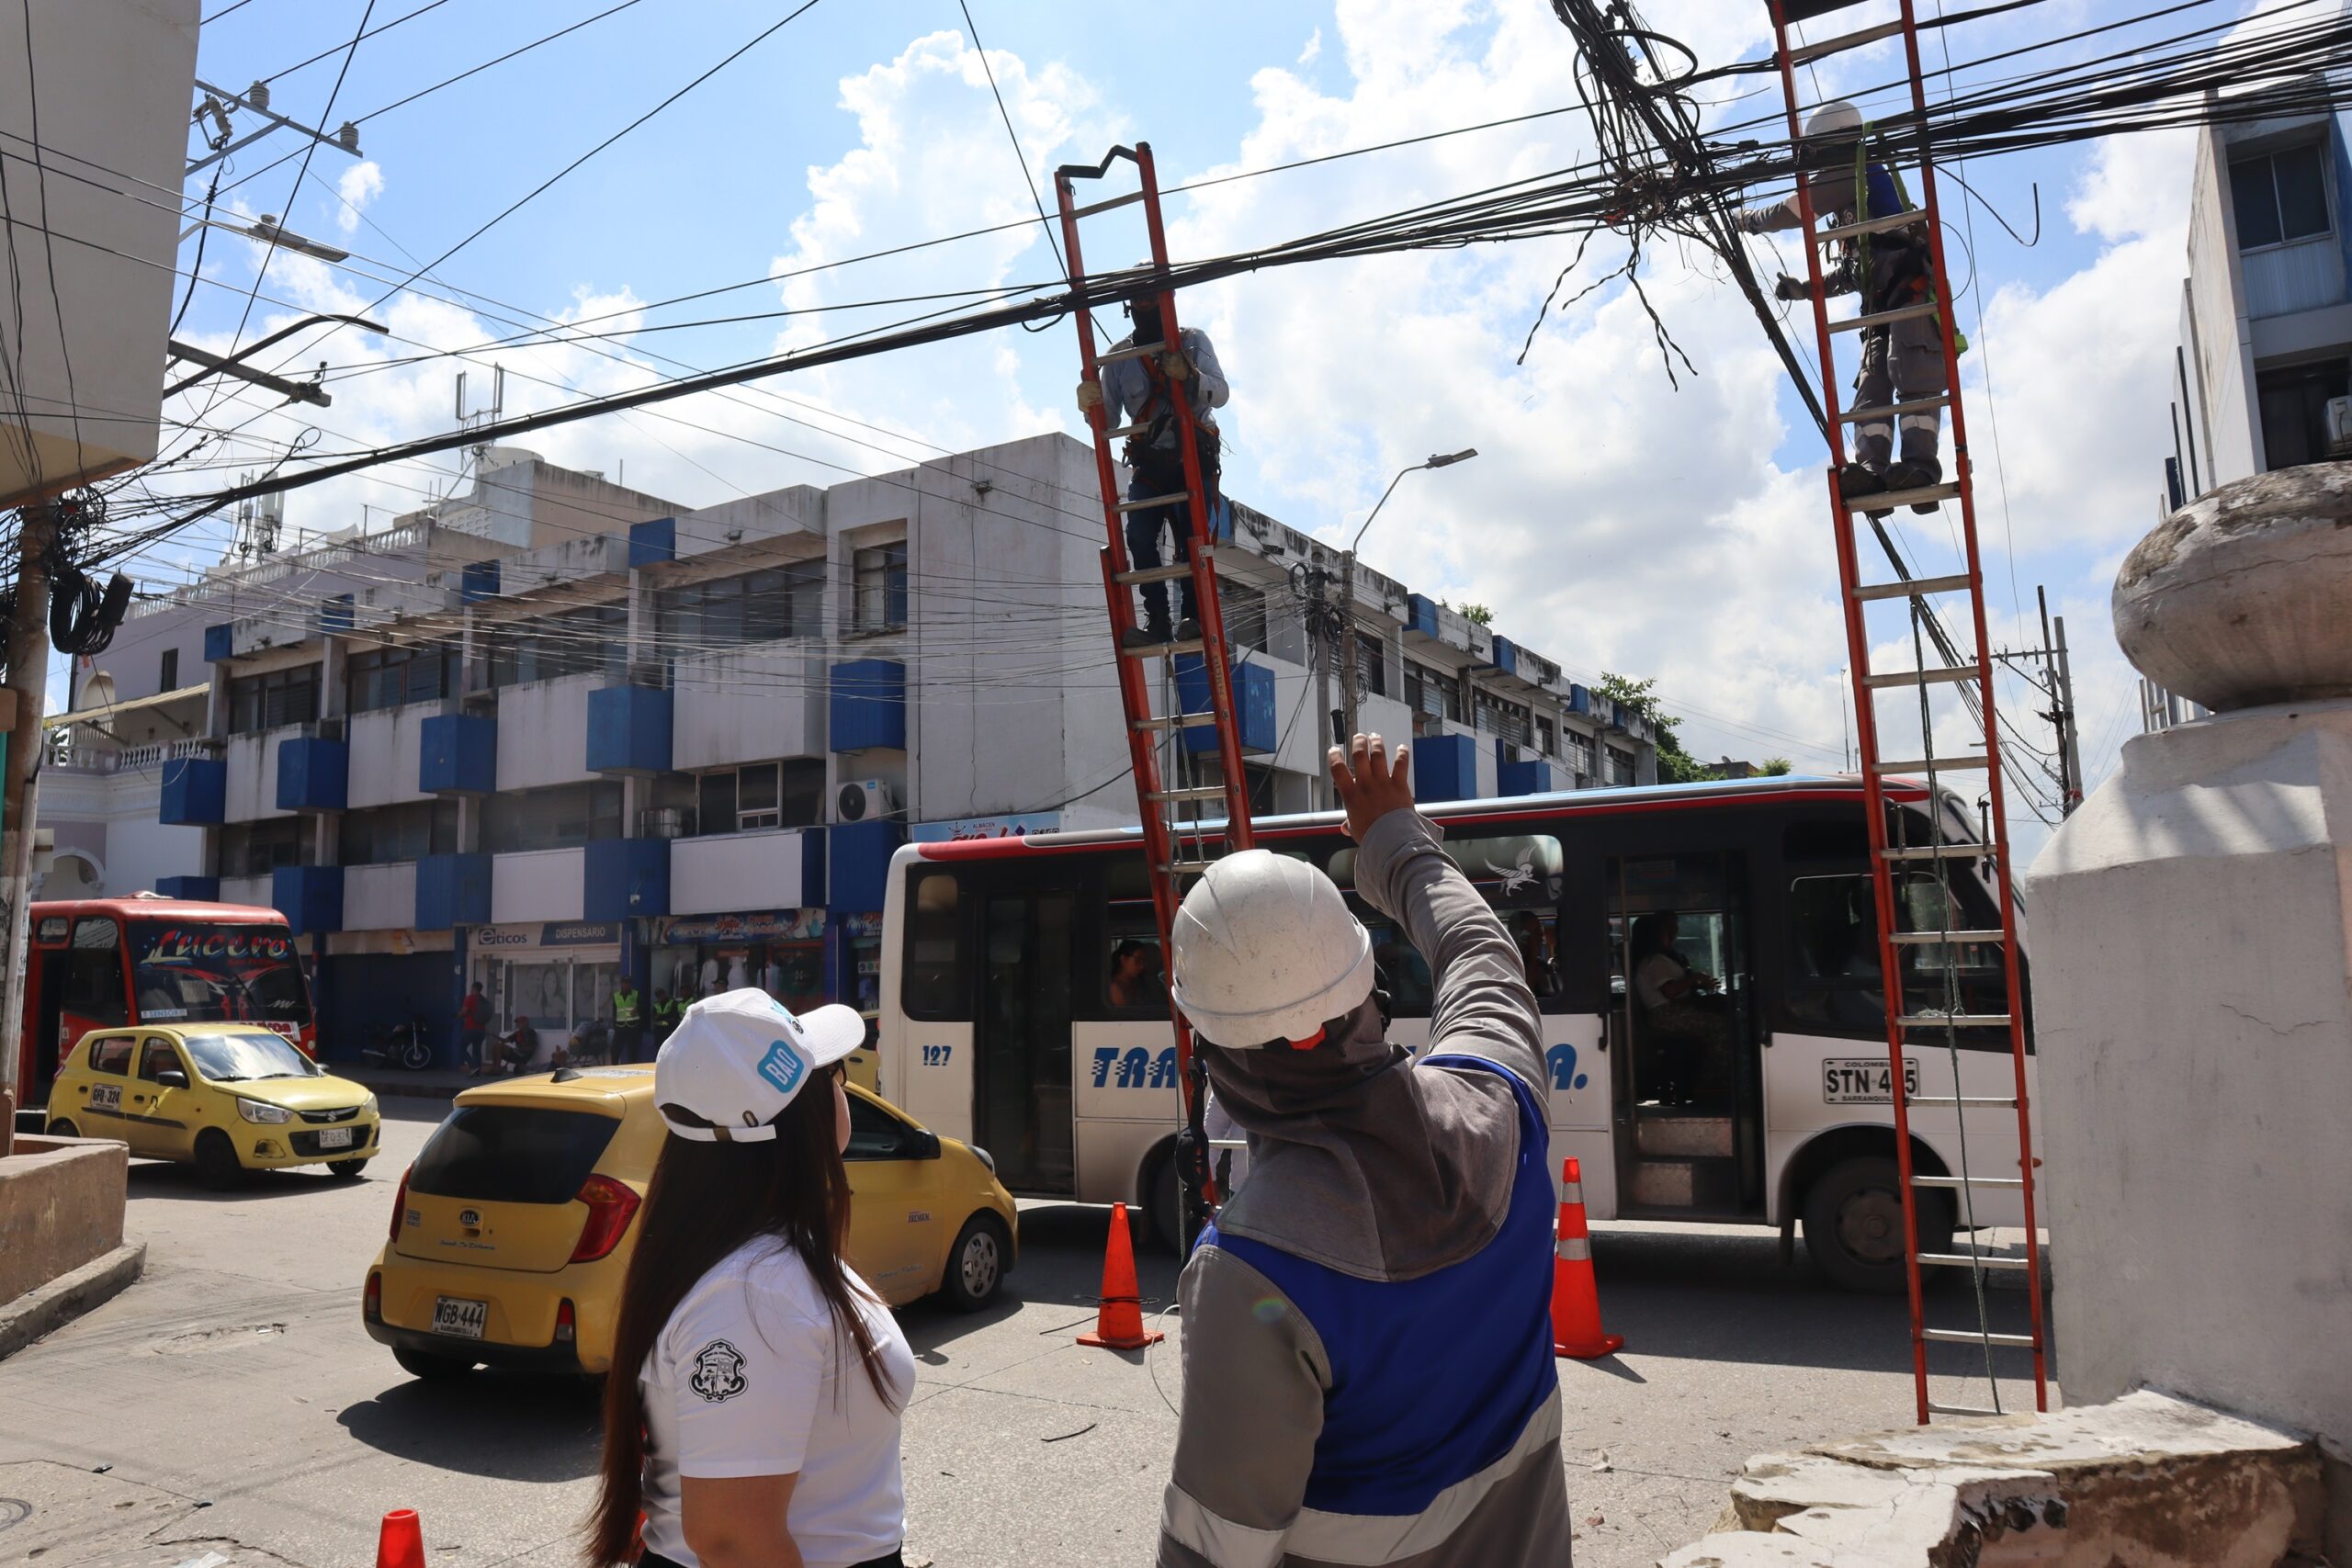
x,y
473,1028
628,1022
1368,1364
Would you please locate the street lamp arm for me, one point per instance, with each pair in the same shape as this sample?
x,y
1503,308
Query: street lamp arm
x,y
214,366
1435,460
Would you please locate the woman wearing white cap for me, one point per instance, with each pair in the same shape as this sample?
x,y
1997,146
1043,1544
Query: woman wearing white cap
x,y
762,1424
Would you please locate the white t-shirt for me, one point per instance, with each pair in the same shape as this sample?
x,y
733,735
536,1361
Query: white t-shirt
x,y
1652,975
751,1376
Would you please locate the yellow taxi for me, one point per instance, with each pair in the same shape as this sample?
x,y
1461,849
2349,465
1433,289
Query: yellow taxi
x,y
227,1097
511,1231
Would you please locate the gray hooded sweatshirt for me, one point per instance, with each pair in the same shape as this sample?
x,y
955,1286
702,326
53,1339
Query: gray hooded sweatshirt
x,y
1368,1372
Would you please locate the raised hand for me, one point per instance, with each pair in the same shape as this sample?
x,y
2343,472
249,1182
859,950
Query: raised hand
x,y
1370,784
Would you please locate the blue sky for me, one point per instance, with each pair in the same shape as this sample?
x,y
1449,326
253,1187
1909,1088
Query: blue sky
x,y
1612,521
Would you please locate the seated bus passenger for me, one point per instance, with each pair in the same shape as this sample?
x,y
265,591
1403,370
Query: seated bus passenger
x,y
1685,1021
1134,975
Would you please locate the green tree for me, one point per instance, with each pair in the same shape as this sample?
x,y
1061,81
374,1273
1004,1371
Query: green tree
x,y
1477,615
1674,765
1774,767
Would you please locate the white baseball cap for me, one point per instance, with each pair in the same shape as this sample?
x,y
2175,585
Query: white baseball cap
x,y
739,1057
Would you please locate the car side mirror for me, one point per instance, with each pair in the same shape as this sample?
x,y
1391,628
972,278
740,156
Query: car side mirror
x,y
171,1077
925,1144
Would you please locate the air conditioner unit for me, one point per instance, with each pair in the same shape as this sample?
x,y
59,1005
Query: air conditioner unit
x,y
867,800
2339,427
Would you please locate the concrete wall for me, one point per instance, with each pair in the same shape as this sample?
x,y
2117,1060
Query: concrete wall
x,y
2220,355
537,885
380,897
2192,1010
115,79
735,872
543,732
385,745
61,1205
253,772
750,705
251,890
112,816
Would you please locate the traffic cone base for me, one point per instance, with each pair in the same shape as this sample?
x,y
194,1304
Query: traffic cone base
x,y
1575,1304
401,1542
1118,1321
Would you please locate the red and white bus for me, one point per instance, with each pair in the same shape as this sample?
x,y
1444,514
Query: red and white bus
x,y
1023,1008
108,963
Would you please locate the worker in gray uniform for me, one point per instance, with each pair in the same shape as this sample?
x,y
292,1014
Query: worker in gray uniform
x,y
1368,1363
1901,360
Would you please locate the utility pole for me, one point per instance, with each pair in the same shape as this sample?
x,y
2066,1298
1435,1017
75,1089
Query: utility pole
x,y
1311,585
27,689
2070,749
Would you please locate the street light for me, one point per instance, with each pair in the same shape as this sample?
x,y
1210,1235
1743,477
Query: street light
x,y
266,230
1348,674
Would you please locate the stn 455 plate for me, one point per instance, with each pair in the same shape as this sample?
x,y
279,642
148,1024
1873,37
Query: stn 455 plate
x,y
1864,1081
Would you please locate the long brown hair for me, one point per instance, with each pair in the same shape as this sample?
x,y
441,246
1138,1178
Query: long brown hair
x,y
705,1201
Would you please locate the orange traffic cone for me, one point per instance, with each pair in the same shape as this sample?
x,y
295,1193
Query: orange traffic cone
x,y
401,1543
1575,1305
1118,1325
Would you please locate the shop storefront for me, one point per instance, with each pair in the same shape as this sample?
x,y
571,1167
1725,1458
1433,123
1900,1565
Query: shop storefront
x,y
780,951
371,982
557,974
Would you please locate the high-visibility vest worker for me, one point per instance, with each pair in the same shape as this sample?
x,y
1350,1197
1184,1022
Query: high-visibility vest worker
x,y
669,1012
625,1005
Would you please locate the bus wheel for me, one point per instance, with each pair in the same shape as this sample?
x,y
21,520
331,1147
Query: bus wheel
x,y
216,1161
1853,1224
63,1129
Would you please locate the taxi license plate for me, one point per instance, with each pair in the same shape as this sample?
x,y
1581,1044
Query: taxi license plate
x,y
334,1137
1864,1081
462,1318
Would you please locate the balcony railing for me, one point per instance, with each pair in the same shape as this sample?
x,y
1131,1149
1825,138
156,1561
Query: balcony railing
x,y
124,760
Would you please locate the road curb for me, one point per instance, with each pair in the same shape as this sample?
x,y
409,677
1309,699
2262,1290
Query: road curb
x,y
49,1307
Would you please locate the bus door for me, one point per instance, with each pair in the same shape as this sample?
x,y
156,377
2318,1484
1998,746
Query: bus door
x,y
1684,1029
1022,1105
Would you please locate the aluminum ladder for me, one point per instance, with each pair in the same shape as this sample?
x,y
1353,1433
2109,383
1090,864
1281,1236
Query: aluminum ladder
x,y
1918,1023
1180,837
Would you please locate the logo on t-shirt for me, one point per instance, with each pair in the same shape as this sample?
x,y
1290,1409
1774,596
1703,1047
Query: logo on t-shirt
x,y
719,1372
782,1066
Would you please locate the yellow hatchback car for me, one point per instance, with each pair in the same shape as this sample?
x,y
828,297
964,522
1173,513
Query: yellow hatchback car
x,y
511,1231
228,1098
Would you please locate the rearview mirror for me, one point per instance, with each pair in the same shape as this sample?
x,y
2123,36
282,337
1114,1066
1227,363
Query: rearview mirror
x,y
171,1077
925,1144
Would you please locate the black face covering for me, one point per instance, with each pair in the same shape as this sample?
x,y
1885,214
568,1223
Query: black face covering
x,y
1146,320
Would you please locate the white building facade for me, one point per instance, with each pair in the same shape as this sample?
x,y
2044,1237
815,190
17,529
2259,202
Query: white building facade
x,y
556,732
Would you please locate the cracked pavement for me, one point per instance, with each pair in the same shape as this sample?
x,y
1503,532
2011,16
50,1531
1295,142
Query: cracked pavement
x,y
229,1406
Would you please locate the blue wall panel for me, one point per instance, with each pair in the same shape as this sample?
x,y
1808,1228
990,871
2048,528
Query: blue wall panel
x,y
1423,612
452,890
626,878
1505,656
196,793
457,754
477,582
628,729
812,868
868,705
310,897
1525,778
1445,767
859,856
219,643
313,775
653,543
196,889
1253,703
335,614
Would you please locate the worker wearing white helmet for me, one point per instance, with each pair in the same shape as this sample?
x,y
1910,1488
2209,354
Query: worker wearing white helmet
x,y
1902,361
1368,1364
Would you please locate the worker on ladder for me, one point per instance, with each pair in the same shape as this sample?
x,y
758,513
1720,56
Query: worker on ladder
x,y
1901,360
1368,1354
1142,393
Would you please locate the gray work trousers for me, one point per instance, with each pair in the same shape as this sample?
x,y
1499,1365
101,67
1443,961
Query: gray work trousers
x,y
1901,361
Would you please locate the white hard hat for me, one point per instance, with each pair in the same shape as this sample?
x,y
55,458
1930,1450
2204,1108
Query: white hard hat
x,y
739,1057
1833,118
1266,950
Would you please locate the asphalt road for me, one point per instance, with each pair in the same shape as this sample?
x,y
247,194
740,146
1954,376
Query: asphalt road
x,y
228,1405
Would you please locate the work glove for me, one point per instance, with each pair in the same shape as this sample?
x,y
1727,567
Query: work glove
x,y
1090,397
1175,365
1792,289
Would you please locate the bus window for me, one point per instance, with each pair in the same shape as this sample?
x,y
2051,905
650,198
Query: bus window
x,y
935,986
94,974
1134,981
1399,967
1521,875
205,972
1834,977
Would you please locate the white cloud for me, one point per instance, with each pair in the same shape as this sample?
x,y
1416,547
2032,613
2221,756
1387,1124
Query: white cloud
x,y
360,184
1314,49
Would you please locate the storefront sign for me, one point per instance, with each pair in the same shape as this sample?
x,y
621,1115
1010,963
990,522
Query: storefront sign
x,y
551,933
777,925
857,927
1013,825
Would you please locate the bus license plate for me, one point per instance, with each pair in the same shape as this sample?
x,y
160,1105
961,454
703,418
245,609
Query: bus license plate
x,y
1864,1081
462,1318
334,1137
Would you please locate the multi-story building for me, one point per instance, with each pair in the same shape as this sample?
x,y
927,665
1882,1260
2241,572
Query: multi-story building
x,y
555,730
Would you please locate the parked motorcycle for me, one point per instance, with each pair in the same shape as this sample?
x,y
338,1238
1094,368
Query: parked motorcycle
x,y
406,1045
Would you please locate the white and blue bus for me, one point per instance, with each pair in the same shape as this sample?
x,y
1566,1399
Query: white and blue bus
x,y
1022,1005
